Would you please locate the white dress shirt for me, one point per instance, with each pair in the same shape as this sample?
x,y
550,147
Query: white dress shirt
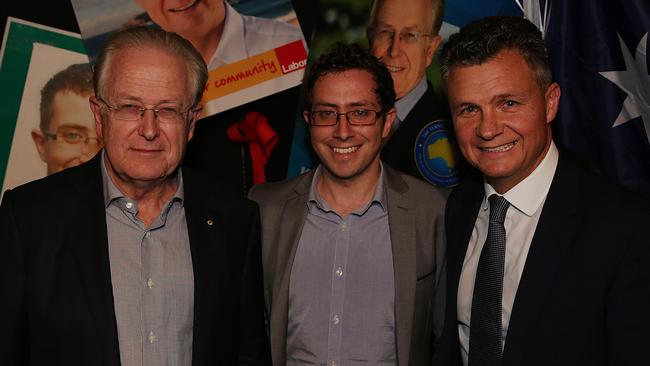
x,y
526,202
245,36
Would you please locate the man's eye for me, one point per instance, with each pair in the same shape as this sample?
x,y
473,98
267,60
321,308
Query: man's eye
x,y
325,114
469,109
360,113
510,103
168,111
384,34
73,136
409,37
130,108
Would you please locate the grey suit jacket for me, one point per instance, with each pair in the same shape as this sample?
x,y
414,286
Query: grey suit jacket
x,y
415,216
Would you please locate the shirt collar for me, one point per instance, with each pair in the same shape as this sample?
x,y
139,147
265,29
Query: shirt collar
x,y
112,193
407,102
378,197
529,194
233,35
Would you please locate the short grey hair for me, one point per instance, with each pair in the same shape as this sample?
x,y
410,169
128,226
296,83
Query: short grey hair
x,y
437,8
141,36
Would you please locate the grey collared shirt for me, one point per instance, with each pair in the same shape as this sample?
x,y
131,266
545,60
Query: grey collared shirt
x,y
342,289
152,278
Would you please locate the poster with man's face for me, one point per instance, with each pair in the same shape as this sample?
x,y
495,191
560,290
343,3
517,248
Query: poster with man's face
x,y
48,84
253,48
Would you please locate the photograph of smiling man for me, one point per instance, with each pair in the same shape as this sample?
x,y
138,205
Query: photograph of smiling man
x,y
352,251
248,56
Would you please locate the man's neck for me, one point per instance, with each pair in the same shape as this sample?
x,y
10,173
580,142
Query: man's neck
x,y
151,196
348,195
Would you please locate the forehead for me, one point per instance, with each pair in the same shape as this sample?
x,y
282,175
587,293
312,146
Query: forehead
x,y
507,72
69,108
347,87
146,72
399,14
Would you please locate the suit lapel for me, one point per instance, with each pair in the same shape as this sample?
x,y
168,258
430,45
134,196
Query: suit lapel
x,y
401,221
92,254
555,231
461,211
294,214
209,262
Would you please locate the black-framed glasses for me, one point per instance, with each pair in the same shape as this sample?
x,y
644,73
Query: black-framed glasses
x,y
134,112
73,136
355,117
386,35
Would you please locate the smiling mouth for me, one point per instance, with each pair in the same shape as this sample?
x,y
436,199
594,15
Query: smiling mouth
x,y
345,150
184,7
394,68
500,148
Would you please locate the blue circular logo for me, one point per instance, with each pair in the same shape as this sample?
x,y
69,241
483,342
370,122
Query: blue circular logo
x,y
436,154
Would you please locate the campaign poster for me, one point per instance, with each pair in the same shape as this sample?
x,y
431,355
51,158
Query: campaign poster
x,y
253,48
31,55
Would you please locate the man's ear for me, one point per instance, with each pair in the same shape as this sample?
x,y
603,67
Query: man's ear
x,y
389,119
196,114
552,97
96,107
305,117
39,141
433,47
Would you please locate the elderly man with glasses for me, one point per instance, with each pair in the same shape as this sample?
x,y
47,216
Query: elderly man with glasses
x,y
127,260
352,251
404,36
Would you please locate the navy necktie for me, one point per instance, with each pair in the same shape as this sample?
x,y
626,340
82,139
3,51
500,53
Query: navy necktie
x,y
485,324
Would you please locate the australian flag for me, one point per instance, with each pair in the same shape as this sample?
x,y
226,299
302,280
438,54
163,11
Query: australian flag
x,y
598,51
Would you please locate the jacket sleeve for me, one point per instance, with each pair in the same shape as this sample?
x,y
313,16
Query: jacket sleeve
x,y
254,341
13,326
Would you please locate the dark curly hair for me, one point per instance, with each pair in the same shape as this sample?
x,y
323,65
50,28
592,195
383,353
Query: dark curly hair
x,y
481,40
343,57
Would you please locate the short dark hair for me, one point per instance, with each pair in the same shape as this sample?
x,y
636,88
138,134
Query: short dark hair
x,y
343,57
481,40
77,79
142,36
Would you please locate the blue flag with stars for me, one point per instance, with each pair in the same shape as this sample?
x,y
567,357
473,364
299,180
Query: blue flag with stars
x,y
598,51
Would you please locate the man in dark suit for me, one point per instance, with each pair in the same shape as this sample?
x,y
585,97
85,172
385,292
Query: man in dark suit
x,y
548,264
126,260
404,36
353,250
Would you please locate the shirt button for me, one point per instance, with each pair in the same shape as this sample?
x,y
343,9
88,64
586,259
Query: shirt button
x,y
148,234
336,319
152,337
339,272
129,205
150,283
332,363
344,226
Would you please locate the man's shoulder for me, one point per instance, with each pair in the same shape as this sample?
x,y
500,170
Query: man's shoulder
x,y
274,192
416,189
58,186
596,189
429,107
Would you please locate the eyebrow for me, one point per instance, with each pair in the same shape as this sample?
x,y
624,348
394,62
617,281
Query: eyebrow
x,y
353,104
139,100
